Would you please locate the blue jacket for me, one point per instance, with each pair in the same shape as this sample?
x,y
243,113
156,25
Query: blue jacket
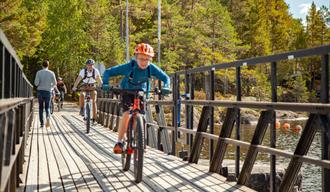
x,y
139,77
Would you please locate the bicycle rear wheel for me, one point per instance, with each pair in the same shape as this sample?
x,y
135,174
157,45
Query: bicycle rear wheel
x,y
139,148
125,157
88,117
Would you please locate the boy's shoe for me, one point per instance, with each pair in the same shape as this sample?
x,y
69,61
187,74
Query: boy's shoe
x,y
47,122
118,148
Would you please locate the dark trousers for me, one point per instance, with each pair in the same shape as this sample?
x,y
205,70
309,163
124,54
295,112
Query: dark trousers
x,y
44,102
62,95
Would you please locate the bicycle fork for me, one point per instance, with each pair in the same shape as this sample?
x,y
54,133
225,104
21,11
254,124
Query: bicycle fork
x,y
130,145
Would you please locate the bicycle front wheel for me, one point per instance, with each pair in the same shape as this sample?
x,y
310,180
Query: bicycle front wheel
x,y
88,118
139,148
125,156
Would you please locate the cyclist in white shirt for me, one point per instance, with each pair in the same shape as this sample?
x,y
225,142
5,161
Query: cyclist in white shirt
x,y
90,77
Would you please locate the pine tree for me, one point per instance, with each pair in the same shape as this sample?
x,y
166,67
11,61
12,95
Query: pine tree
x,y
103,33
281,23
316,28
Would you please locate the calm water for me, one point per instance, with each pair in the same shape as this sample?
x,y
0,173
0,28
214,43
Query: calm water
x,y
286,140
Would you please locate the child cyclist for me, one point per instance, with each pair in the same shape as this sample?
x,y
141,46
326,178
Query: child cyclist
x,y
136,76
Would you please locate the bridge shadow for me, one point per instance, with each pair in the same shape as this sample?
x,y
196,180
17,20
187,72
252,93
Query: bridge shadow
x,y
95,167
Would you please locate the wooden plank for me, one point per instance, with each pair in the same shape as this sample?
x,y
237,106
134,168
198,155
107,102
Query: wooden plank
x,y
8,172
302,148
118,116
107,115
155,178
221,147
264,120
54,170
32,172
3,124
198,140
43,175
303,107
164,139
27,140
9,137
84,172
112,115
65,175
67,153
195,174
92,161
151,134
102,113
6,104
106,142
112,164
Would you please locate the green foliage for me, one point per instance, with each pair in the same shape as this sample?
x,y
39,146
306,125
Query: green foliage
x,y
194,33
296,90
317,31
23,22
255,84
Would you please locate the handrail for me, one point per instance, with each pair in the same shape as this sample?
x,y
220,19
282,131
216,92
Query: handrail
x,y
16,115
322,50
13,82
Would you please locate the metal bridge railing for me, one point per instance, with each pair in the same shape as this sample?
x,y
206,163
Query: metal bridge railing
x,y
164,137
16,115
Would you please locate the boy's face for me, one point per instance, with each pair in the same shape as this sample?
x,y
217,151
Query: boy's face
x,y
143,60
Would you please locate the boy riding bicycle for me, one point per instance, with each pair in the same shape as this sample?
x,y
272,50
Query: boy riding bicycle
x,y
137,73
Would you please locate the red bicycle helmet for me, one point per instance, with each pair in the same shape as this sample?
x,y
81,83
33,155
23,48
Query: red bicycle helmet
x,y
145,49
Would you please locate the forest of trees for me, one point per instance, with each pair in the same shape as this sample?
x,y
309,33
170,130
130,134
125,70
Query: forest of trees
x,y
194,33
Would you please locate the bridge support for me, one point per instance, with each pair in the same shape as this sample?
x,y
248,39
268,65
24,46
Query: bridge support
x,y
163,137
325,137
198,142
264,120
221,147
302,148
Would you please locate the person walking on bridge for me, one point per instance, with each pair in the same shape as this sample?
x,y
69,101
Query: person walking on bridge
x,y
45,81
137,73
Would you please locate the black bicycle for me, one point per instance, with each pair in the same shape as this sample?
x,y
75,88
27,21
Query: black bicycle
x,y
88,107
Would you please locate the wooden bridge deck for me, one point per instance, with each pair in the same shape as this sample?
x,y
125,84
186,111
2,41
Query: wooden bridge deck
x,y
64,157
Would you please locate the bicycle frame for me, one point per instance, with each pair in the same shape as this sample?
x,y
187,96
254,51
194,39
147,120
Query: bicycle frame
x,y
88,107
135,110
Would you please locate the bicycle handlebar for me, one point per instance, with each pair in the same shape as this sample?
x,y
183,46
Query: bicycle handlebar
x,y
117,91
